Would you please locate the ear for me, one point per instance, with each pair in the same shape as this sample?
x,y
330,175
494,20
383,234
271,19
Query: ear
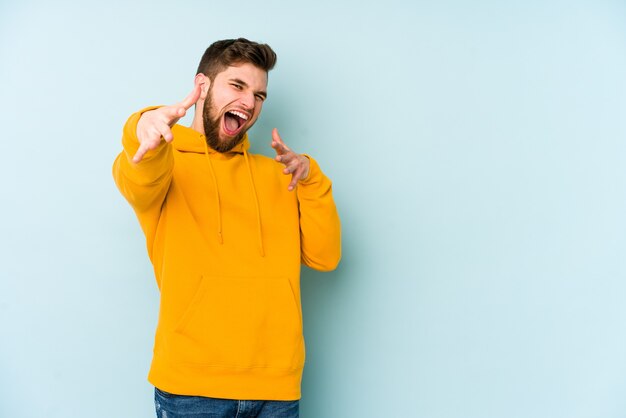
x,y
204,83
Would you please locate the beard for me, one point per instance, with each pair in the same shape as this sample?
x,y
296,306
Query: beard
x,y
212,127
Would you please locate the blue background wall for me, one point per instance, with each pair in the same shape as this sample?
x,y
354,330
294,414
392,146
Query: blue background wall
x,y
477,152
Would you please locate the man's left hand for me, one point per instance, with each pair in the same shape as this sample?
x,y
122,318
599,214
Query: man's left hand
x,y
295,164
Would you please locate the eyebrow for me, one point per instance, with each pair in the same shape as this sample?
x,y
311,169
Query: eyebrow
x,y
243,83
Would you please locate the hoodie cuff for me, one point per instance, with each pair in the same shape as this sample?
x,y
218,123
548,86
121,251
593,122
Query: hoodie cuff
x,y
316,185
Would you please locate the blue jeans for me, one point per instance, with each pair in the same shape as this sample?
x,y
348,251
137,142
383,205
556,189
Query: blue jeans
x,y
179,406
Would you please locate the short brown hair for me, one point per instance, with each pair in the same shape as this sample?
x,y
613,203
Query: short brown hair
x,y
227,52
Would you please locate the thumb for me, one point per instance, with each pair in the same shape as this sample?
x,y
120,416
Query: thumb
x,y
277,142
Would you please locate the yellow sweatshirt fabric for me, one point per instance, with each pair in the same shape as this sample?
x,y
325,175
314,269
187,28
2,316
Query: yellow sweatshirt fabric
x,y
227,239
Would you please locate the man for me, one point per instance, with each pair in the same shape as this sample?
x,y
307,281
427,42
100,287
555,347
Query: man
x,y
226,232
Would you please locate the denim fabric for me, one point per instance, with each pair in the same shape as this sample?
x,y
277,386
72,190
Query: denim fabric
x,y
178,406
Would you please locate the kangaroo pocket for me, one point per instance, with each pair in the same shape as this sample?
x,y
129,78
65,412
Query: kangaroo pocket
x,y
241,323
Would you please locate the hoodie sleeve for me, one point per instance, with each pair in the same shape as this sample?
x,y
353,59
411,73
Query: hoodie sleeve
x,y
320,228
144,184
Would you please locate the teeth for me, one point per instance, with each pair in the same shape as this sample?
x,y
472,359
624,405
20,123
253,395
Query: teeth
x,y
240,114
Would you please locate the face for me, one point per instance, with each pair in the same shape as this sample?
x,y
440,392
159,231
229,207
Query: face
x,y
233,104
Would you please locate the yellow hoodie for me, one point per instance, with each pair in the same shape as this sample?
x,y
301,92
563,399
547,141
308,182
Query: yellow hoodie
x,y
226,239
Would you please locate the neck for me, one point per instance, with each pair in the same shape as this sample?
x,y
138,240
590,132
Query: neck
x,y
197,124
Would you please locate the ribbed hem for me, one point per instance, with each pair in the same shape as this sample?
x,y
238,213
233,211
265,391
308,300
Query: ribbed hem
x,y
226,383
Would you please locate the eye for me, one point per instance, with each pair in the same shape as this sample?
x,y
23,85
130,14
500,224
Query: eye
x,y
260,98
237,86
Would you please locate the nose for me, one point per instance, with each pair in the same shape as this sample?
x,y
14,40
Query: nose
x,y
247,100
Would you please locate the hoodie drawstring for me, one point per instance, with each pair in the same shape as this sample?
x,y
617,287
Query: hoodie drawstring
x,y
219,207
256,203
217,194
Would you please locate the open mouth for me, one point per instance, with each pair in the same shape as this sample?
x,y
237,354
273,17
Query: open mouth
x,y
234,121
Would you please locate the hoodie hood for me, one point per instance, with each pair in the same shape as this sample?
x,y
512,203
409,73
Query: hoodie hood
x,y
190,140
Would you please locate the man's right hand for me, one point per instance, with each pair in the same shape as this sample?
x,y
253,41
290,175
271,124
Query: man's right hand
x,y
155,125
